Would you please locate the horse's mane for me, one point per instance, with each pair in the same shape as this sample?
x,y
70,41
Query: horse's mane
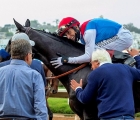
x,y
64,40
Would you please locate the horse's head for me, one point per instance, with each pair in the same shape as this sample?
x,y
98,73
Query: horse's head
x,y
48,45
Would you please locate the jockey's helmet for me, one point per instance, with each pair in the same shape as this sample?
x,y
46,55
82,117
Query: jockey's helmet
x,y
67,23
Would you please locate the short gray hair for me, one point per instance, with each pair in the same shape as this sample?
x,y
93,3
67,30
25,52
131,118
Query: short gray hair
x,y
101,55
20,48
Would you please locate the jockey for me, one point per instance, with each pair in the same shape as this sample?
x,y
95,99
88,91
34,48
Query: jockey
x,y
94,33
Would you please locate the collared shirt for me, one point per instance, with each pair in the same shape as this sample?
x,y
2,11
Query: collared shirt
x,y
22,91
103,63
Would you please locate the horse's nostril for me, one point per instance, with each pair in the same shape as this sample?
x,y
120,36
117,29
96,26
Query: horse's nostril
x,y
54,91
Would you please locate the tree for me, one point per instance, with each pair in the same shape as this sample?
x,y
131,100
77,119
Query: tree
x,y
56,22
101,16
4,29
132,28
35,24
9,34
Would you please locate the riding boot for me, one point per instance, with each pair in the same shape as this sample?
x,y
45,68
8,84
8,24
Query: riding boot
x,y
120,57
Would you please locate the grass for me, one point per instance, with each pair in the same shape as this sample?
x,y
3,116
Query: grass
x,y
59,105
137,114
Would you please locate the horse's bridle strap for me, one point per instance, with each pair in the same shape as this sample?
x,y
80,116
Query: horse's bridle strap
x,y
68,72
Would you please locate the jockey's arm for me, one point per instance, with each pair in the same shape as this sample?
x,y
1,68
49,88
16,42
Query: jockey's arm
x,y
89,37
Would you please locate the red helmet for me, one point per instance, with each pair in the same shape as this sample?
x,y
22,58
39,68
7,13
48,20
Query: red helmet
x,y
65,24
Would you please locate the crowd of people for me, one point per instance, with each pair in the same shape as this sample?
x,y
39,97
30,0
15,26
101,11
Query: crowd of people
x,y
22,80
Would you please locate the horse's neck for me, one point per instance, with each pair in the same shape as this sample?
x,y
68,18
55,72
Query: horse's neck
x,y
48,48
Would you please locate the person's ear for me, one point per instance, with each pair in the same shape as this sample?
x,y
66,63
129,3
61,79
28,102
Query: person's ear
x,y
98,63
27,57
77,27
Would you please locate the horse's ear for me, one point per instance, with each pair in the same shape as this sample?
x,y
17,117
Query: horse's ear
x,y
19,26
27,23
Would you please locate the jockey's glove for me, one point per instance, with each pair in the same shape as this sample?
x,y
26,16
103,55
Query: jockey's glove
x,y
57,62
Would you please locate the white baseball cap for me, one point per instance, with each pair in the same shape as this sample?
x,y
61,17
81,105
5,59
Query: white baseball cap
x,y
22,36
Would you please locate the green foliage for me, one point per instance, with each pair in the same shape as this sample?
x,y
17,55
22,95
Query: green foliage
x,y
59,105
35,24
9,34
137,114
4,29
101,16
132,28
60,85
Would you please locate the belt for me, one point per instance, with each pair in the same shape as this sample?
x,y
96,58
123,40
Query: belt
x,y
105,42
119,117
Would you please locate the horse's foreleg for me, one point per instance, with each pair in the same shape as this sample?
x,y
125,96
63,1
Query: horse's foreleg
x,y
76,107
90,111
50,113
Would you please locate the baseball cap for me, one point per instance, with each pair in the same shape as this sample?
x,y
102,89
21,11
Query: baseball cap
x,y
22,36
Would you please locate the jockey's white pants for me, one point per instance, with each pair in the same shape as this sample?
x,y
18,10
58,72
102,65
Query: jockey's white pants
x,y
124,41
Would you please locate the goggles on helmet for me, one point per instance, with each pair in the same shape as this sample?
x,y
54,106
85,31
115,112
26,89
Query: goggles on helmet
x,y
66,27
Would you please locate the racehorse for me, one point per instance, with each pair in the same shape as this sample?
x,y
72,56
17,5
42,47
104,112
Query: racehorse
x,y
48,45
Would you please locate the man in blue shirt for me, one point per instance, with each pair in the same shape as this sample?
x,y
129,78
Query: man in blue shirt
x,y
111,85
22,88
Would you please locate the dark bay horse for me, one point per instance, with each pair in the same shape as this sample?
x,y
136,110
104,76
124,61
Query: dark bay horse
x,y
48,45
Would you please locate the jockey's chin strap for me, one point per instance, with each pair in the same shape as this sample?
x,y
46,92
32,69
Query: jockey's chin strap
x,y
68,72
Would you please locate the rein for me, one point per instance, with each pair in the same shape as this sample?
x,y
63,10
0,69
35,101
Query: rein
x,y
68,72
63,74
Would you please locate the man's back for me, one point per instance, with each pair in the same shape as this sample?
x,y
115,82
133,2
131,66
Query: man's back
x,y
36,65
22,91
113,83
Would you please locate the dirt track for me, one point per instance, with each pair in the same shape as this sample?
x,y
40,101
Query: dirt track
x,y
64,117
70,117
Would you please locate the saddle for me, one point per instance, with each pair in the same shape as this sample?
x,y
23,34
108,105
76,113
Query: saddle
x,y
120,57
